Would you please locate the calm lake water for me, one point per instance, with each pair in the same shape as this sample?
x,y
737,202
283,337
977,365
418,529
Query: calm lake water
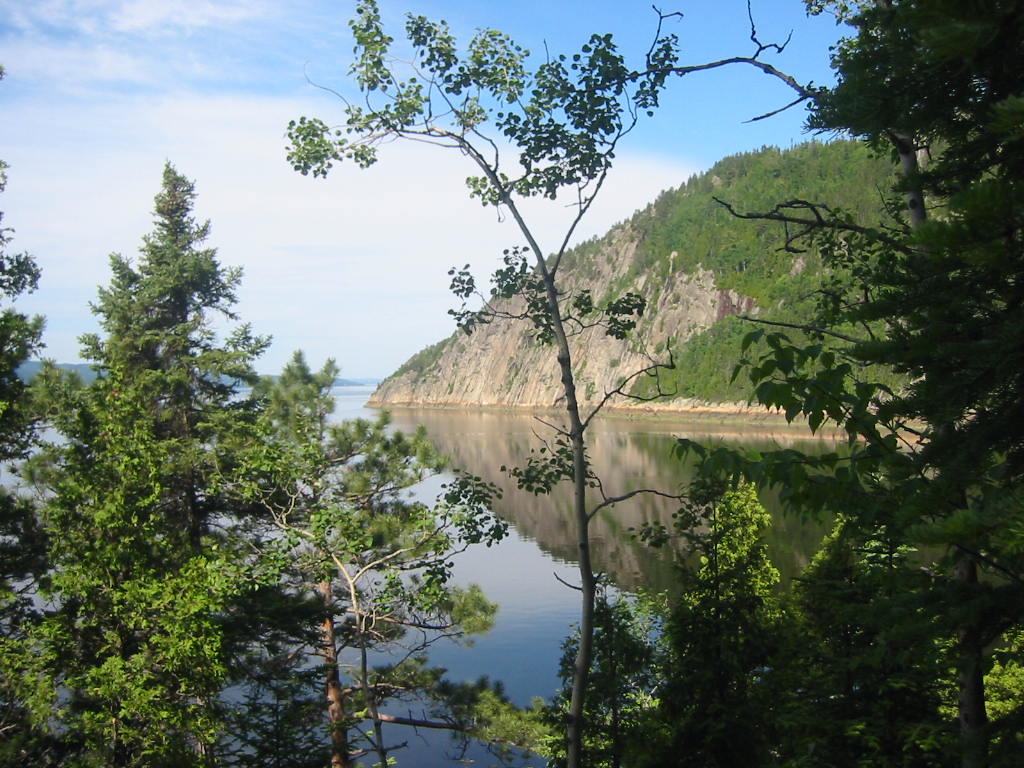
x,y
522,573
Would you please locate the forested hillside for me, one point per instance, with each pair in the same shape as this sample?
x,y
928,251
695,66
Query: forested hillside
x,y
698,266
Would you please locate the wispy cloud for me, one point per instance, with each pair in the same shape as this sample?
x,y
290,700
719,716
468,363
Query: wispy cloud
x,y
108,18
166,17
360,250
101,94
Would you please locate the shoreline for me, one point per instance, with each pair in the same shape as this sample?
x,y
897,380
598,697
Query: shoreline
x,y
717,417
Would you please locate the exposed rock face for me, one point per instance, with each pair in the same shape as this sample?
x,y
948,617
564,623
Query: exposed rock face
x,y
501,366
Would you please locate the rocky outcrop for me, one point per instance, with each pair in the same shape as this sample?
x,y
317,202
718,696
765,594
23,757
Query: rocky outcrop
x,y
500,365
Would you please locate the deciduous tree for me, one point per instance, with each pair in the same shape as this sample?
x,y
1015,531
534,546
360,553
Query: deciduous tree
x,y
562,121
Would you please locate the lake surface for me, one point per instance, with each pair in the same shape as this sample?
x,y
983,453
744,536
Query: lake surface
x,y
522,573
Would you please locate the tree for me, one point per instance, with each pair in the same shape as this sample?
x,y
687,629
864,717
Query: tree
x,y
935,296
157,318
141,567
715,707
860,682
627,669
20,539
346,535
564,121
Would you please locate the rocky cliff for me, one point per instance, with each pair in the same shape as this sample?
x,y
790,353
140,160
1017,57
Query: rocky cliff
x,y
500,365
696,266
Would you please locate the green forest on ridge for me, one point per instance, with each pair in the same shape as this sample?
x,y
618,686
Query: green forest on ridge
x,y
689,228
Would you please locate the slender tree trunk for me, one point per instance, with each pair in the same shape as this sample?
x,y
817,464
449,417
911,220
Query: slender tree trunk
x,y
585,652
970,649
336,713
588,586
370,695
588,583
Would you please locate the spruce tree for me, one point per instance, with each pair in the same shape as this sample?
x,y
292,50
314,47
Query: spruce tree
x,y
21,542
141,566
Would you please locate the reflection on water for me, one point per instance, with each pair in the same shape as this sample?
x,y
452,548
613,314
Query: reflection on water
x,y
523,573
626,455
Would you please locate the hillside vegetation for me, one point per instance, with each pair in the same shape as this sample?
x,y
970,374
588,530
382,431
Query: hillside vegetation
x,y
698,266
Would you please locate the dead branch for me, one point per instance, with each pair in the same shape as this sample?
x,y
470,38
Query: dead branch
x,y
802,327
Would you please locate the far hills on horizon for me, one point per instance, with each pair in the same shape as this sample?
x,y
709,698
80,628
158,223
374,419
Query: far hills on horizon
x,y
28,370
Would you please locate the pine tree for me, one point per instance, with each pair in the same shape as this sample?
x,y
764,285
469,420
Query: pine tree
x,y
365,562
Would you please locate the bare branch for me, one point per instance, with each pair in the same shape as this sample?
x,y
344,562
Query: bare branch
x,y
612,500
819,221
762,47
566,583
774,112
441,725
804,327
651,370
806,92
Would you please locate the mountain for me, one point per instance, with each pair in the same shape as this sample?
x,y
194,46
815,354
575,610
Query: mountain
x,y
699,268
30,368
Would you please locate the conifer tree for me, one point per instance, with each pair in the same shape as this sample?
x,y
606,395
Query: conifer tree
x,y
371,561
20,538
935,296
714,705
141,565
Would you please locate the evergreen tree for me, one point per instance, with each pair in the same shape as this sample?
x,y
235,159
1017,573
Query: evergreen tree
x,y
863,679
141,565
158,317
715,708
21,542
366,562
937,463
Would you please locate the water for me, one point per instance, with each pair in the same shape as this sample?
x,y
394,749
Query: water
x,y
524,573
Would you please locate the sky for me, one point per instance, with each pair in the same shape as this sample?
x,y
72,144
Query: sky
x,y
100,94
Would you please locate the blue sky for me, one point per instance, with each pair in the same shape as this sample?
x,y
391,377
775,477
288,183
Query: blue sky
x,y
100,93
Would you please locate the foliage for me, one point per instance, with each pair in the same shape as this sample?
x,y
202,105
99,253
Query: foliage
x,y
564,119
628,667
21,541
19,338
344,533
139,567
714,707
863,680
936,463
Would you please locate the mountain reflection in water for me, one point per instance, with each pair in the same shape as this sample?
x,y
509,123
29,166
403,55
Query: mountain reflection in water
x,y
522,573
626,455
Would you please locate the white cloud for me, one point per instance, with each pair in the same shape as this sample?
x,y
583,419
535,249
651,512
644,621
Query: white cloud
x,y
104,17
165,16
353,267
102,92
